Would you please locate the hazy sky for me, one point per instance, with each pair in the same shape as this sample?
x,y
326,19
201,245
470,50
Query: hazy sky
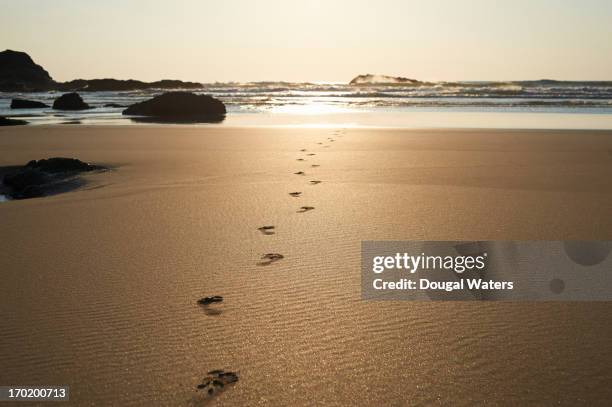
x,y
313,40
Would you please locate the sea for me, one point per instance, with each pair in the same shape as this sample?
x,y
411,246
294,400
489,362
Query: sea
x,y
520,104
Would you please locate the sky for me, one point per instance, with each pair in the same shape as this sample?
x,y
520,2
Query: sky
x,y
313,40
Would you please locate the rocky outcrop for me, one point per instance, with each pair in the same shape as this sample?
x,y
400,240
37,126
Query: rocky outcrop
x,y
369,79
27,104
45,177
19,73
179,107
5,121
109,85
70,101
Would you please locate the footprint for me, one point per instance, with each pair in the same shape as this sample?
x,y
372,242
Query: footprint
x,y
311,154
303,150
216,380
325,146
210,300
270,258
266,230
300,159
305,209
315,182
299,173
295,194
206,301
319,143
315,165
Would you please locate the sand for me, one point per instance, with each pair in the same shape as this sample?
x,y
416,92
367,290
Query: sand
x,y
99,286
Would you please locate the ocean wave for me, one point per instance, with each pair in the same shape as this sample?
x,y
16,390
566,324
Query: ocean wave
x,y
543,95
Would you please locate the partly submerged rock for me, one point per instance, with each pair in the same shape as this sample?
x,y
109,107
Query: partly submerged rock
x,y
18,72
369,79
44,177
70,101
27,104
179,107
5,121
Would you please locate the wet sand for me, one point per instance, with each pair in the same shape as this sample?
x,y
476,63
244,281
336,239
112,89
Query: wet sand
x,y
99,286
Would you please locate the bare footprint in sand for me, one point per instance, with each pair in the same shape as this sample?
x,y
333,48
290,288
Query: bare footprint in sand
x,y
295,194
299,159
315,165
303,150
210,300
305,209
206,301
216,381
311,154
270,258
319,143
315,182
300,173
266,230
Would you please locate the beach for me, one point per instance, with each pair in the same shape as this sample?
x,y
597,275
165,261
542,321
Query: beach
x,y
100,284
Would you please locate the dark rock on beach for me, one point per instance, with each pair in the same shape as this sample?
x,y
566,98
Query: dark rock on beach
x,y
44,177
70,101
19,73
61,164
5,121
27,104
179,107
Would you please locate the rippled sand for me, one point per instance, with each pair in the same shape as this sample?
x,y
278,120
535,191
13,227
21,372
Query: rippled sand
x,y
99,286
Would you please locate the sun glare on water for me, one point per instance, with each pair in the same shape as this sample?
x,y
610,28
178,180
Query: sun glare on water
x,y
311,108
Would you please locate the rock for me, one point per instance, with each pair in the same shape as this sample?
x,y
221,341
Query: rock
x,y
18,73
180,106
113,105
113,85
27,104
26,183
369,79
4,121
61,164
70,101
43,177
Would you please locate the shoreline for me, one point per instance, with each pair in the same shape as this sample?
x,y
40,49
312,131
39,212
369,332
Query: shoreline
x,y
414,119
